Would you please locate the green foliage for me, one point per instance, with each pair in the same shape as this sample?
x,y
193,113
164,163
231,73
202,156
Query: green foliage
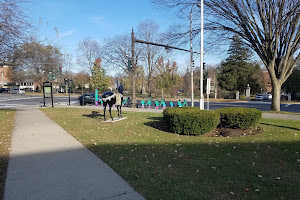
x,y
237,72
191,120
292,84
167,76
243,118
99,80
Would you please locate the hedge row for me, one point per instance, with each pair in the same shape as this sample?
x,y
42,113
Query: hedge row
x,y
192,121
243,118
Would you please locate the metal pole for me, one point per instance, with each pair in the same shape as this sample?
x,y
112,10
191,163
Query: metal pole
x,y
52,98
2,75
201,61
192,73
69,92
133,100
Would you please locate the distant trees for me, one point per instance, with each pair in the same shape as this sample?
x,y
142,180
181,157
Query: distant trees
x,y
237,71
35,60
148,31
166,76
99,80
88,51
81,78
117,51
292,84
270,28
13,27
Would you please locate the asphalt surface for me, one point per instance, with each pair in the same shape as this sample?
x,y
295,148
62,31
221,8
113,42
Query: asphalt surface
x,y
31,101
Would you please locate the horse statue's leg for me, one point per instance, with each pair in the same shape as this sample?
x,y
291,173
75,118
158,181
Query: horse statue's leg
x,y
118,108
110,112
104,109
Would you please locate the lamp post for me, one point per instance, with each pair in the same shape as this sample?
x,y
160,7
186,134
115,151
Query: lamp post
x,y
133,100
201,106
191,63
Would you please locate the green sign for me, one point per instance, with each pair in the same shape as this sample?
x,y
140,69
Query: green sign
x,y
51,77
47,91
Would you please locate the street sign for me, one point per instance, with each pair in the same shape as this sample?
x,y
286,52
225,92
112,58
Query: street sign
x,y
208,86
51,77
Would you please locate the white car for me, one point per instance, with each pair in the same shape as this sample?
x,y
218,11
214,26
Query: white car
x,y
17,91
261,97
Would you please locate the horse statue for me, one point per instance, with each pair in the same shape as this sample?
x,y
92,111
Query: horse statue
x,y
111,98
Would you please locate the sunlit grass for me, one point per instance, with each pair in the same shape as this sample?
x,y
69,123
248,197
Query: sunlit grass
x,y
7,125
162,165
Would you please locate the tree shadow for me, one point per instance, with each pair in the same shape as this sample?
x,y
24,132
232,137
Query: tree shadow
x,y
94,115
297,129
158,123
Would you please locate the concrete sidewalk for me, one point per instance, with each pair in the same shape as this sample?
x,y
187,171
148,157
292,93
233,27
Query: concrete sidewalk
x,y
48,163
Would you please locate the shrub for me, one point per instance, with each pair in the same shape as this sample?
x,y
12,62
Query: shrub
x,y
191,120
243,118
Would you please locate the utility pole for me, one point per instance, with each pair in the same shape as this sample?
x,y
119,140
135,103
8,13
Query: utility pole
x,y
133,62
201,61
192,63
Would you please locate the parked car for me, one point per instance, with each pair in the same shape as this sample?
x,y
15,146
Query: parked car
x,y
17,91
261,97
3,90
88,98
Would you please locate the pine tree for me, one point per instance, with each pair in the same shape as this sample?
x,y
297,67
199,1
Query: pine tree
x,y
237,71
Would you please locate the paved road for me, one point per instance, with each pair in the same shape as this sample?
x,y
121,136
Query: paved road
x,y
21,101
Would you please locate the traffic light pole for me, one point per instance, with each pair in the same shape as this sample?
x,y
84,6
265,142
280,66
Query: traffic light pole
x,y
133,100
133,62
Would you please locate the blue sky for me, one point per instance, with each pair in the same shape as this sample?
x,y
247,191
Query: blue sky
x,y
77,19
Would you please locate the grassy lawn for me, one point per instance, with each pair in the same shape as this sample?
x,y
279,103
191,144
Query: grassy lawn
x,y
7,125
162,165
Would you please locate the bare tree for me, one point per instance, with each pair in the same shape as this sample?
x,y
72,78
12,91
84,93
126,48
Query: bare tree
x,y
88,51
36,61
270,28
117,52
148,31
13,26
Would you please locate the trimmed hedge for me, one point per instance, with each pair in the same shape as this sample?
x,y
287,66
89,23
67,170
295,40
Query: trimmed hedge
x,y
191,120
243,118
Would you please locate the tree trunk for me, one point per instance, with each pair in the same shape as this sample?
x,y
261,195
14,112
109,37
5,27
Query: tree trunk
x,y
276,90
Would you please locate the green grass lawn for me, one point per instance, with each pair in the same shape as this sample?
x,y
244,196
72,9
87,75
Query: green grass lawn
x,y
163,165
7,125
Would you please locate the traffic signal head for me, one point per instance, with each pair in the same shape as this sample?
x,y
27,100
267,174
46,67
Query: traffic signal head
x,y
129,64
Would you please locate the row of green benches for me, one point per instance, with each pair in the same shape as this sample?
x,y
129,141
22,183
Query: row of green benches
x,y
157,103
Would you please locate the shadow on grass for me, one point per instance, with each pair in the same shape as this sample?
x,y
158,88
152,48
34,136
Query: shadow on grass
x,y
94,115
158,123
292,128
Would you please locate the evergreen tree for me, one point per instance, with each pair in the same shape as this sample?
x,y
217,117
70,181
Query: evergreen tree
x,y
237,71
238,51
99,80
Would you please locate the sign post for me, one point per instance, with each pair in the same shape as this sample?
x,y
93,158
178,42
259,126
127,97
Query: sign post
x,y
96,97
208,91
47,92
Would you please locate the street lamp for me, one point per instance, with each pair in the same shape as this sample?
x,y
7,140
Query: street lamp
x,y
133,100
191,63
201,60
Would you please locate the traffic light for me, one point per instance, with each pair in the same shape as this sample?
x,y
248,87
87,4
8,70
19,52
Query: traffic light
x,y
60,69
129,64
